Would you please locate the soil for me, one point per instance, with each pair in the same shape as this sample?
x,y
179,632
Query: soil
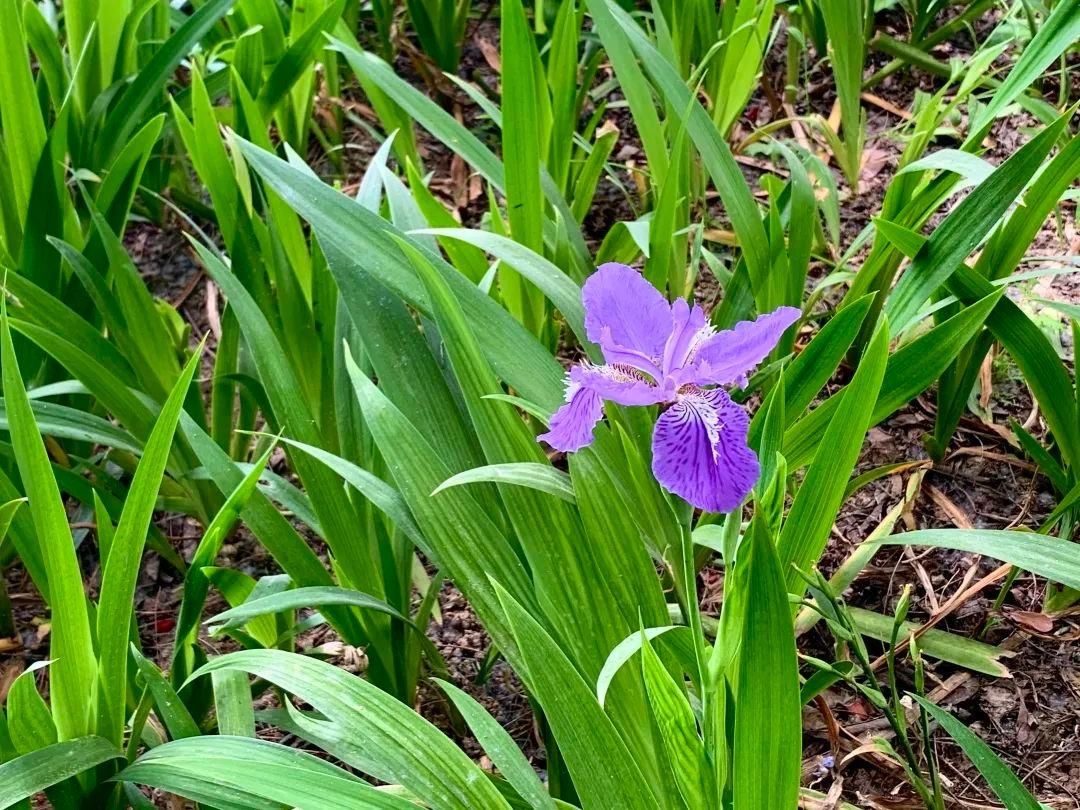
x,y
1031,719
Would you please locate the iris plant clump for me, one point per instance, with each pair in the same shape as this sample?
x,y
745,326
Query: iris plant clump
x,y
658,353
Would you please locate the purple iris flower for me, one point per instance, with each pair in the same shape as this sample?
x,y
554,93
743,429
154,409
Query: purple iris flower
x,y
660,353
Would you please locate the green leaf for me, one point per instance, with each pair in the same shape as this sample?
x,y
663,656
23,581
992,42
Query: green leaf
x,y
676,637
398,745
1005,250
380,77
466,543
140,97
604,772
997,774
1043,370
24,130
678,729
966,226
380,493
844,22
909,371
239,772
293,412
121,569
1050,557
355,232
196,584
633,85
63,422
818,500
559,288
542,477
768,711
170,709
500,748
959,650
71,647
294,63
715,153
1058,32
232,704
815,365
523,126
32,773
299,598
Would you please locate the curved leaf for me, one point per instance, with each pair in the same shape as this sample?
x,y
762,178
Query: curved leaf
x,y
524,473
235,772
32,773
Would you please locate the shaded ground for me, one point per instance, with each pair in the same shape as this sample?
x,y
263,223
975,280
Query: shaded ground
x,y
1031,719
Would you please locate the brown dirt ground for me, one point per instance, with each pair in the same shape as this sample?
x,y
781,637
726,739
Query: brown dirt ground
x,y
1031,719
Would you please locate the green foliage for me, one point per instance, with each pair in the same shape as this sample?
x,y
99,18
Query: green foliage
x,y
383,361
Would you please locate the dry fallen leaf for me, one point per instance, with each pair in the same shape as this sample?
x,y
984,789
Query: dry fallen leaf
x,y
873,161
1029,620
491,54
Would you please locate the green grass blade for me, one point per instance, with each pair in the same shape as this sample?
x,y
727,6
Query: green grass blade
x,y
844,22
294,63
196,584
466,543
560,289
1058,32
910,370
355,232
298,598
960,650
24,130
384,496
675,721
523,126
232,704
633,85
1006,249
1043,370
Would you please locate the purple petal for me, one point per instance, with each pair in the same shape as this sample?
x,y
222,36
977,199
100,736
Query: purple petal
x,y
731,355
571,426
700,451
620,299
687,325
615,354
617,383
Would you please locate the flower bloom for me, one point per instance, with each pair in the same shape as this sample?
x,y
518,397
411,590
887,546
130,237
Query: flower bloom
x,y
660,353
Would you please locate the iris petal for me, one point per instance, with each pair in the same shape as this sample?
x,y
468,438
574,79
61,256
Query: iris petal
x,y
728,357
571,426
619,384
700,451
635,313
687,325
